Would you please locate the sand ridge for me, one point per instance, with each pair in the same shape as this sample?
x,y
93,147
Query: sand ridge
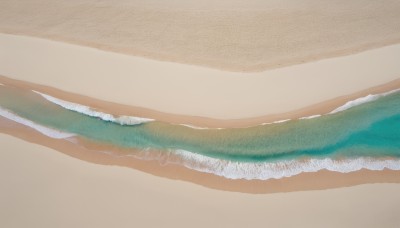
x,y
229,34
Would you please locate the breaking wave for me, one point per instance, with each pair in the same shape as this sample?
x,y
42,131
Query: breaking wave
x,y
132,120
49,132
280,169
123,120
362,100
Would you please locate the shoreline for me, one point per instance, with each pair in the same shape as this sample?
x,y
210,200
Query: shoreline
x,y
91,152
45,188
198,121
184,90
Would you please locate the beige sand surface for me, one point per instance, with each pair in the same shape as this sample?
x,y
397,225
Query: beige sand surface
x,y
44,188
228,34
191,90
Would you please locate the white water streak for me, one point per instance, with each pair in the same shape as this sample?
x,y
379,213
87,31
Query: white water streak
x,y
309,117
131,120
52,133
123,120
278,121
362,100
281,169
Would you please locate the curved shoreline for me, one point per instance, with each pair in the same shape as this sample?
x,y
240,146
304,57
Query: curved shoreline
x,y
164,160
192,91
228,169
188,90
198,121
92,153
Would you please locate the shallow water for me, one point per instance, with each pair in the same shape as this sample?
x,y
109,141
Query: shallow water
x,y
369,130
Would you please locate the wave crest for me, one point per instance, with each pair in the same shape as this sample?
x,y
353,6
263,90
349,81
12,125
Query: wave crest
x,y
280,169
132,120
123,120
52,133
362,100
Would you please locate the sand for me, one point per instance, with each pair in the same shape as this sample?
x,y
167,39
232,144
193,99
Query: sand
x,y
342,50
44,188
191,90
229,34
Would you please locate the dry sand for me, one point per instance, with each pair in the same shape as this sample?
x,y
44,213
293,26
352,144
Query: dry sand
x,y
228,34
191,90
44,188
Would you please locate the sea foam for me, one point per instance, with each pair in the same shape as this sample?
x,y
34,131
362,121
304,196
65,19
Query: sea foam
x,y
42,129
199,128
279,169
309,117
362,100
132,120
123,120
275,122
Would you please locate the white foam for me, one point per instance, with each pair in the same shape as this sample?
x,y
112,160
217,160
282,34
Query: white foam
x,y
132,120
123,120
309,117
277,170
200,128
275,122
362,100
347,105
42,129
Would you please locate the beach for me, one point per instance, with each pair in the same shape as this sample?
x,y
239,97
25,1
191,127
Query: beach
x,y
43,188
159,89
185,113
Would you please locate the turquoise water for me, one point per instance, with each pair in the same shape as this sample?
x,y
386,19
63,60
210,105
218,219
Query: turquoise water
x,y
368,130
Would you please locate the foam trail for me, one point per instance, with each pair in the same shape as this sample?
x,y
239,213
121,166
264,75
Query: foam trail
x,y
132,120
200,128
123,120
362,100
278,121
309,117
281,169
52,133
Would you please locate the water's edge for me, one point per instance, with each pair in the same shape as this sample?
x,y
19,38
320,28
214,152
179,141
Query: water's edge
x,y
235,153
